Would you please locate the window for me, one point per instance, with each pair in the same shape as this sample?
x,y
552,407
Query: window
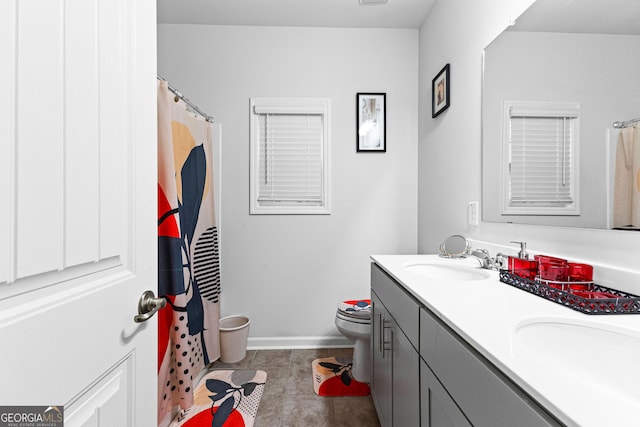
x,y
541,166
289,156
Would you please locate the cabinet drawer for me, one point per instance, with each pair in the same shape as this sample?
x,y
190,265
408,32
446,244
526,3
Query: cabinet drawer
x,y
486,396
403,307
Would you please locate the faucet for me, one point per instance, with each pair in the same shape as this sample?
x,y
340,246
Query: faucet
x,y
483,257
485,260
500,261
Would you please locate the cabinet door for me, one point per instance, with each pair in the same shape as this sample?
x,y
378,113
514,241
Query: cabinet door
x,y
487,396
381,363
438,408
406,381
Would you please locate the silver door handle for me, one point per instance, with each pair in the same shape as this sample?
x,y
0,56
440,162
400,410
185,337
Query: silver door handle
x,y
380,332
386,325
148,306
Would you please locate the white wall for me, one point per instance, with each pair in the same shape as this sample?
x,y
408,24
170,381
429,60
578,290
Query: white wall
x,y
449,170
456,31
287,273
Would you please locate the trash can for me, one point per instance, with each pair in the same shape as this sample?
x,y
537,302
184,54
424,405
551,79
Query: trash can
x,y
234,333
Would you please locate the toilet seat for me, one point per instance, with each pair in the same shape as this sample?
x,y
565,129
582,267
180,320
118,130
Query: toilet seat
x,y
358,311
352,319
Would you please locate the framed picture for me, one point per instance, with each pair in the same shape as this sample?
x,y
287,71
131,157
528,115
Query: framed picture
x,y
440,92
371,122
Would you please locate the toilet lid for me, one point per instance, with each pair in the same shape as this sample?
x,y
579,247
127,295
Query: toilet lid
x,y
360,308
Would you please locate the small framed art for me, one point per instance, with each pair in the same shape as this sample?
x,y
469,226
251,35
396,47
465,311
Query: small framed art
x,y
371,122
440,92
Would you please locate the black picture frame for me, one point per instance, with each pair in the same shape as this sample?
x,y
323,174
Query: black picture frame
x,y
441,91
371,122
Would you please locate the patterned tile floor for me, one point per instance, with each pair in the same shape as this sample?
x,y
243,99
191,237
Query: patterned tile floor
x,y
289,399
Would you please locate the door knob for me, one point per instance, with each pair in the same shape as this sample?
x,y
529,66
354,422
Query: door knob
x,y
148,306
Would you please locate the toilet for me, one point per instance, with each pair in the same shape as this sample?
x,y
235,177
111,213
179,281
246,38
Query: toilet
x,y
353,320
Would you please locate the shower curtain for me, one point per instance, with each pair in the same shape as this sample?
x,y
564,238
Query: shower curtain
x,y
626,195
188,261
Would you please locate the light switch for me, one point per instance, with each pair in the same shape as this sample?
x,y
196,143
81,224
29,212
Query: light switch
x,y
473,213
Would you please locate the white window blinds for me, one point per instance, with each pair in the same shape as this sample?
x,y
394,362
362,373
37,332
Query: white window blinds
x,y
289,153
541,159
290,167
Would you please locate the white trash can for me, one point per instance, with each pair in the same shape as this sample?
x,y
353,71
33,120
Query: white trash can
x,y
234,333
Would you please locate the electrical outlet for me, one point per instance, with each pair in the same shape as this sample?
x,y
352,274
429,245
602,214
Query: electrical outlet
x,y
473,213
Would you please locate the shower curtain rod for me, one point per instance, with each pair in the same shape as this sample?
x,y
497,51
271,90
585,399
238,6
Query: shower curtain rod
x,y
627,123
191,105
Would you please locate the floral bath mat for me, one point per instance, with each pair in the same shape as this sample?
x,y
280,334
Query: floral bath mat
x,y
332,377
225,398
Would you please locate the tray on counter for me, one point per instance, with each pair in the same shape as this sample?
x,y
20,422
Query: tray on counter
x,y
585,297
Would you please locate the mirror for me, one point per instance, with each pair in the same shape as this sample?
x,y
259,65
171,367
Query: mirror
x,y
572,51
455,246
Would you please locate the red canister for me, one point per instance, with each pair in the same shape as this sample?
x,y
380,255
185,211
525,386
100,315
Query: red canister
x,y
555,272
580,272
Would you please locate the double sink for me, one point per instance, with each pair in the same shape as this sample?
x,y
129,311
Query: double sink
x,y
590,351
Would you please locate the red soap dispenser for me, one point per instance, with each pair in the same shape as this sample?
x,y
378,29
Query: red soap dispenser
x,y
521,265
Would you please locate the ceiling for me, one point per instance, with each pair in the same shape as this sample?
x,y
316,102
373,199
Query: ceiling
x,y
295,13
582,16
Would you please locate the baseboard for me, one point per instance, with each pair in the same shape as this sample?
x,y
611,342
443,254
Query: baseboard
x,y
275,343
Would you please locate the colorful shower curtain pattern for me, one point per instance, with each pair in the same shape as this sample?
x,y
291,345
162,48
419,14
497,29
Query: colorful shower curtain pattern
x,y
626,198
188,261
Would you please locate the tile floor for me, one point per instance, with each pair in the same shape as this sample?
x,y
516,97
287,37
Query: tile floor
x,y
289,400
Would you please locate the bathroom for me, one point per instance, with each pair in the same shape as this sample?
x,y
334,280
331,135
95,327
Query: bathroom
x,y
288,272
403,201
381,202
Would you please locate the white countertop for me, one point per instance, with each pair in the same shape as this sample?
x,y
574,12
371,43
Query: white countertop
x,y
599,387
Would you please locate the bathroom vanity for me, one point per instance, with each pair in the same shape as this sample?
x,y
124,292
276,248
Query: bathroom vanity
x,y
453,346
394,383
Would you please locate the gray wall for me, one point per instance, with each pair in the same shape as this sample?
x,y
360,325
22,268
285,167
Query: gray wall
x,y
287,273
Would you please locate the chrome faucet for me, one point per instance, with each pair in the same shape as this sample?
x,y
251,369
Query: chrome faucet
x,y
485,260
500,261
483,257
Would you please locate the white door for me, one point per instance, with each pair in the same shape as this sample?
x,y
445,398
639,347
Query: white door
x,y
78,208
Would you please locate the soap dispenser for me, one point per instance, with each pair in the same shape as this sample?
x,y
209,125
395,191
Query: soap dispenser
x,y
521,265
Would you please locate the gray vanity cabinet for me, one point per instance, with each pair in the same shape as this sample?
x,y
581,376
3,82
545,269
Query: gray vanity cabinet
x,y
438,408
425,374
477,393
381,378
395,383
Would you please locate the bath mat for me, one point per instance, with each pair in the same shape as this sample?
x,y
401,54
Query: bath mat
x,y
332,377
225,398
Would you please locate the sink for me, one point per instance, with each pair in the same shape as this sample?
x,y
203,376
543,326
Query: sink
x,y
595,355
438,271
